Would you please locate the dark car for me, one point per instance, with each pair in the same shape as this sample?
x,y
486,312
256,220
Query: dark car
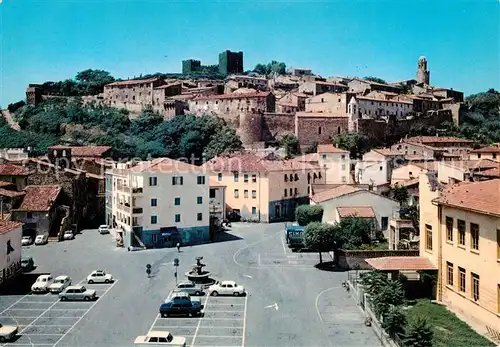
x,y
27,264
181,306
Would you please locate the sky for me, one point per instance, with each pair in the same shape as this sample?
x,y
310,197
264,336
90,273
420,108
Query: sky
x,y
51,40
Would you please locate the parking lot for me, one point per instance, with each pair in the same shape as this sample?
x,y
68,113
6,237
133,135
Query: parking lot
x,y
44,320
222,324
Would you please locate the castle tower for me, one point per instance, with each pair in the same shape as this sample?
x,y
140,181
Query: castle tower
x,y
352,114
423,76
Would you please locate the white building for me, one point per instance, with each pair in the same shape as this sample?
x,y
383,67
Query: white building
x,y
376,167
363,106
159,203
217,202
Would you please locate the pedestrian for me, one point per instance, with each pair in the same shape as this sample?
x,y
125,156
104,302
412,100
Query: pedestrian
x,y
178,247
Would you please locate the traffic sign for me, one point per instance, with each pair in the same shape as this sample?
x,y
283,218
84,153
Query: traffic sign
x,y
148,266
148,271
176,262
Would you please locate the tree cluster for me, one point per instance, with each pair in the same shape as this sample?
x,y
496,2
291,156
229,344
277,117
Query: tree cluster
x,y
290,143
357,144
375,79
87,82
270,68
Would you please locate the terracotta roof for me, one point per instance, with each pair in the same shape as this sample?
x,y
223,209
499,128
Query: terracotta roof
x,y
5,184
331,84
384,100
307,158
483,197
490,172
473,164
489,149
169,85
84,151
356,211
333,193
301,95
318,114
163,165
435,139
408,183
7,225
12,170
401,263
213,183
415,157
10,193
132,82
330,148
388,152
39,198
246,161
427,165
234,96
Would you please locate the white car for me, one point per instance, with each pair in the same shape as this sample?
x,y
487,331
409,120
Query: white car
x,y
41,239
7,332
103,229
99,276
160,338
26,240
68,235
42,284
59,284
226,288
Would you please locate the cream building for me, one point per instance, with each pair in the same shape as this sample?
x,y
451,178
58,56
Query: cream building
x,y
376,167
491,152
460,234
335,103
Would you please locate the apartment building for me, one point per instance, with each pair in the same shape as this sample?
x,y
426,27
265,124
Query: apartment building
x,y
460,234
335,161
264,188
490,152
159,203
438,147
377,166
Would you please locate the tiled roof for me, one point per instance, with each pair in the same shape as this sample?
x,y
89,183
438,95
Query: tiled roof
x,y
333,193
388,152
435,139
384,100
490,172
84,151
356,211
234,96
10,193
330,148
483,197
323,83
473,164
408,183
39,198
165,86
164,165
427,165
489,149
401,263
5,184
250,162
415,157
7,225
12,170
307,158
132,82
318,114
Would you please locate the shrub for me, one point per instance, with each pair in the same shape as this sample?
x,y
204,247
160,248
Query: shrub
x,y
418,334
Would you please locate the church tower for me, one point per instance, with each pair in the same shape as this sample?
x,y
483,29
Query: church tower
x,y
423,75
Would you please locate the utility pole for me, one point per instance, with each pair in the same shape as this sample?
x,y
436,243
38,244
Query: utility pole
x,y
176,265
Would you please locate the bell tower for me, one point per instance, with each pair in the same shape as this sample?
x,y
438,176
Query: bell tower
x,y
423,75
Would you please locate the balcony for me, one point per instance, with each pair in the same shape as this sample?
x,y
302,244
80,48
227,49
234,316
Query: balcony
x,y
136,190
136,210
124,207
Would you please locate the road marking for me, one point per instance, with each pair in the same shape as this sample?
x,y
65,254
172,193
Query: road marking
x,y
42,335
259,260
222,311
230,304
317,300
250,245
244,323
210,318
14,303
44,312
275,305
215,336
210,327
89,309
45,325
283,243
248,276
199,323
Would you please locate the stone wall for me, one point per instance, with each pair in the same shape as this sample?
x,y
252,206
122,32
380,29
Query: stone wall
x,y
275,125
318,128
355,259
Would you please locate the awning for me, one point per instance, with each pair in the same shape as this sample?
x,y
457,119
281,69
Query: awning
x,y
401,263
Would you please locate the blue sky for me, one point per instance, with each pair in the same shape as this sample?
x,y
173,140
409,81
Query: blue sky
x,y
54,39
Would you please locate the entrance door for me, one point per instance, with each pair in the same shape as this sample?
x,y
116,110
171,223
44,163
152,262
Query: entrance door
x,y
277,211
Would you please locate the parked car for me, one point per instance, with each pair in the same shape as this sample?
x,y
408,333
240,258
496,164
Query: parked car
x,y
226,288
26,240
77,293
103,229
99,276
8,332
160,338
190,288
41,239
27,264
68,235
59,284
180,304
42,284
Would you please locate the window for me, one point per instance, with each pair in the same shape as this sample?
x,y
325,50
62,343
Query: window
x,y
494,155
177,201
245,178
385,223
29,215
154,202
245,193
153,181
428,237
449,228
285,192
344,179
254,210
200,179
498,243
343,166
199,200
296,191
449,274
380,168
479,156
235,175
291,177
199,216
461,279
291,191
319,130
177,218
461,232
286,178
154,219
177,180
324,156
475,286
254,178
254,194
212,193
219,176
236,193
474,236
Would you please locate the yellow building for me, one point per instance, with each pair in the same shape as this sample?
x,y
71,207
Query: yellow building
x,y
460,234
265,189
491,152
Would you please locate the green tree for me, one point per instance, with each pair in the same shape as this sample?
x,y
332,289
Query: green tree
x,y
354,232
400,194
320,237
15,106
306,214
261,69
269,68
394,322
390,294
93,81
418,333
291,145
373,281
375,79
145,122
357,144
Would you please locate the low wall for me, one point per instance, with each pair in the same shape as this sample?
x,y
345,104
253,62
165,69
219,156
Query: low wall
x,y
355,259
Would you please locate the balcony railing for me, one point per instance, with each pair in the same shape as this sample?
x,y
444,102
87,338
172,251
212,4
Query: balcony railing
x,y
124,189
137,210
137,190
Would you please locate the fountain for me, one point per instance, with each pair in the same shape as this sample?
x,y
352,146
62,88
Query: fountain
x,y
197,275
